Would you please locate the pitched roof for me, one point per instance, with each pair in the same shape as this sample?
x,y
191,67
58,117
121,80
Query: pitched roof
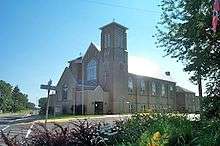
x,y
77,60
181,89
112,24
164,78
95,46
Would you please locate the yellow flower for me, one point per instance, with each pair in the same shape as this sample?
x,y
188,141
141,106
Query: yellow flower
x,y
157,136
152,144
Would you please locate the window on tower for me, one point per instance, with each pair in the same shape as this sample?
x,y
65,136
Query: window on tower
x,y
119,40
91,70
107,40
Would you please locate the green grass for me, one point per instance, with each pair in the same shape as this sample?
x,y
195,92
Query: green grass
x,y
20,113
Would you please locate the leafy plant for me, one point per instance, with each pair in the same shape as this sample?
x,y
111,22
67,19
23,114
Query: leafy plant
x,y
76,133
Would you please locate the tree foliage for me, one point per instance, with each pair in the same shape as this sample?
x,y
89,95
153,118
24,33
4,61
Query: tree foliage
x,y
184,31
12,99
42,103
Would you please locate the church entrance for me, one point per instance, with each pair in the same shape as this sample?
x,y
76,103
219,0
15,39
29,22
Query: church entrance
x,y
78,109
98,108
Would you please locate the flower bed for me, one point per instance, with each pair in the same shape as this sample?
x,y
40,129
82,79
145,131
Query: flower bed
x,y
141,129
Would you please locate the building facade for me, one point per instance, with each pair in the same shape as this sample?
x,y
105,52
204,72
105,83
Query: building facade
x,y
99,82
186,100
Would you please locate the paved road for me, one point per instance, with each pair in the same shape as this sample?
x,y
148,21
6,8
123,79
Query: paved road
x,y
16,125
8,120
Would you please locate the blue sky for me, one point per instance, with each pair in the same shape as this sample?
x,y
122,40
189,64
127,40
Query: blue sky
x,y
38,38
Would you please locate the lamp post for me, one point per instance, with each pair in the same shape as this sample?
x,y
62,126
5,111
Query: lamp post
x,y
82,87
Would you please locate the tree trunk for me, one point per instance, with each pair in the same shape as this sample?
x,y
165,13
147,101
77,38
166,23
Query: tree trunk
x,y
200,85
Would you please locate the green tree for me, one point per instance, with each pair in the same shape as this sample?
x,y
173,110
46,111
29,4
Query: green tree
x,y
42,103
5,98
184,31
12,99
5,88
31,106
20,100
6,103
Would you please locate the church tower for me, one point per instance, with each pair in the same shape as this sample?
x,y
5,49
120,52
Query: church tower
x,y
114,65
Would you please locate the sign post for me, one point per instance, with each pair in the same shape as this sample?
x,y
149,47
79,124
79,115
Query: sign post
x,y
48,87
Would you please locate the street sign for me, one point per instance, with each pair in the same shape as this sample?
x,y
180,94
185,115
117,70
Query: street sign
x,y
47,87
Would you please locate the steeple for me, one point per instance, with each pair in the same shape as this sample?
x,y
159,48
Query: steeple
x,y
113,36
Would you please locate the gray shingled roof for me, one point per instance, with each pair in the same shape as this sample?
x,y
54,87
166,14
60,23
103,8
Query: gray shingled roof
x,y
77,60
159,77
181,89
113,23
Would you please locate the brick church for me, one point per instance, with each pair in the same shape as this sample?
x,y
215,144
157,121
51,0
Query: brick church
x,y
99,83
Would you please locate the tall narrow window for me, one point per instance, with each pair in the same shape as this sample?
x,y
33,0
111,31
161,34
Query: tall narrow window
x,y
142,85
91,70
64,92
171,88
130,84
121,41
163,92
153,88
107,40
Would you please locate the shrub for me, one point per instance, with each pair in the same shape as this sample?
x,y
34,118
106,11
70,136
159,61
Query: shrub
x,y
74,134
211,107
141,128
208,132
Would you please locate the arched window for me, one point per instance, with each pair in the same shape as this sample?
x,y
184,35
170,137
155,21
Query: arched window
x,y
64,92
91,70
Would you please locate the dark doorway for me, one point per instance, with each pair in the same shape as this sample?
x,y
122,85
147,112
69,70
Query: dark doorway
x,y
78,109
98,108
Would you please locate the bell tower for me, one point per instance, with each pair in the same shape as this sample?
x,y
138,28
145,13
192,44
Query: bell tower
x,y
115,63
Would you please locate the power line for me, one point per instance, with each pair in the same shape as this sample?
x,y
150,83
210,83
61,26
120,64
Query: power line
x,y
120,6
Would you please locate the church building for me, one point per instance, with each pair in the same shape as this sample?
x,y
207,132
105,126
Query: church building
x,y
99,82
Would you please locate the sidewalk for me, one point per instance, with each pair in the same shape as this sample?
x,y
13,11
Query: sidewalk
x,y
105,118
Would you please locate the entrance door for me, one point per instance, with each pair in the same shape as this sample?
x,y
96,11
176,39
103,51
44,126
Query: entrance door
x,y
98,108
78,109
